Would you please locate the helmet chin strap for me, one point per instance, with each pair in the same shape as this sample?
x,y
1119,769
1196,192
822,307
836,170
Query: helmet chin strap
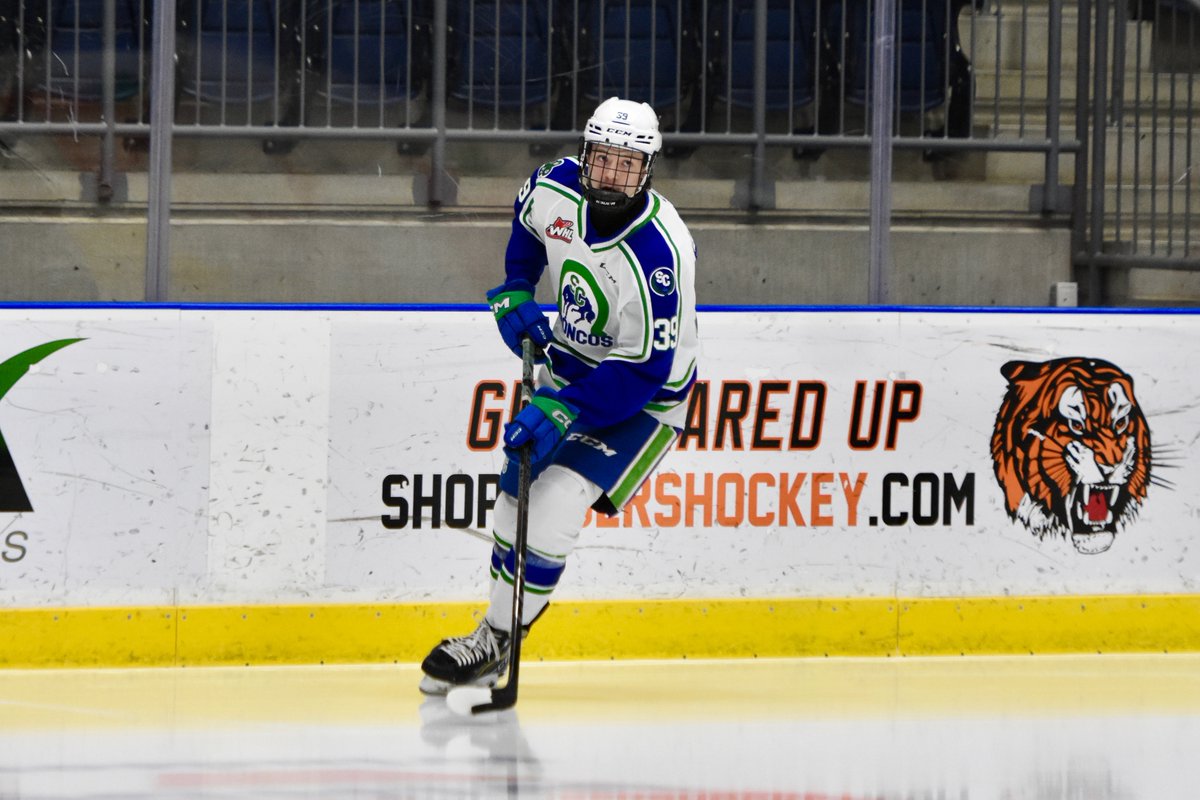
x,y
610,200
608,219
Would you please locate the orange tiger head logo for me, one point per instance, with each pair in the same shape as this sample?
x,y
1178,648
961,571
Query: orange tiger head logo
x,y
1071,450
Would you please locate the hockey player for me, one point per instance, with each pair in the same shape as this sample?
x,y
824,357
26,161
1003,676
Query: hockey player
x,y
620,362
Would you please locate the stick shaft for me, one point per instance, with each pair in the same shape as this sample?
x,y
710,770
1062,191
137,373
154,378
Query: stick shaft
x,y
524,481
506,696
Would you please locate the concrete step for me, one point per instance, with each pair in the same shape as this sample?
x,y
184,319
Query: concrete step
x,y
348,192
455,255
1145,151
1010,40
1143,88
370,175
1176,203
1159,236
1145,287
1148,288
1165,233
995,183
1162,290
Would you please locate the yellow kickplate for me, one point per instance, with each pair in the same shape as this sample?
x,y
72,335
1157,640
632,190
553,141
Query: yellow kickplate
x,y
715,629
624,629
1051,624
87,637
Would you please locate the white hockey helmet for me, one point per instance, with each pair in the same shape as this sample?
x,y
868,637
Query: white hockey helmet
x,y
624,124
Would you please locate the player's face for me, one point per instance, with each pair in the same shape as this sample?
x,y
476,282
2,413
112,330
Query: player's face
x,y
617,169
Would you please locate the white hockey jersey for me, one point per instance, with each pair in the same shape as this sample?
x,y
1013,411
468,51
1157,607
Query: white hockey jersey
x,y
626,334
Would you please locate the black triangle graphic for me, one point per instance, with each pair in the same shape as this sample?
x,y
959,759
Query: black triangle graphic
x,y
12,493
13,498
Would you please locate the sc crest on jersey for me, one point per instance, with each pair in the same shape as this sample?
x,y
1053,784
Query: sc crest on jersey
x,y
662,281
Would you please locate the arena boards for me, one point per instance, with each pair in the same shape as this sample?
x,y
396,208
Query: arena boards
x,y
193,484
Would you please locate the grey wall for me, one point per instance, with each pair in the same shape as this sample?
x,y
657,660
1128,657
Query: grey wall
x,y
455,257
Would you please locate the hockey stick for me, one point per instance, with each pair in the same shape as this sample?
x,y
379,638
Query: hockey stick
x,y
465,700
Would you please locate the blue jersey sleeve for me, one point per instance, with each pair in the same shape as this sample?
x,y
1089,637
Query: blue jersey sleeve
x,y
525,257
616,390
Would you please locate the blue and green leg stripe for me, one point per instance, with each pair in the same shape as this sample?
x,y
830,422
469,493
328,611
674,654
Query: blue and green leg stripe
x,y
542,572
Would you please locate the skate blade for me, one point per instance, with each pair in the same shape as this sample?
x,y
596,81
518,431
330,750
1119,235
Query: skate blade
x,y
434,687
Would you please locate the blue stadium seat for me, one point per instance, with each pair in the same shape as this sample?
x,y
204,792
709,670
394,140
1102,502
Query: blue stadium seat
x,y
931,70
10,11
10,46
502,53
792,47
376,52
228,50
925,47
76,48
643,50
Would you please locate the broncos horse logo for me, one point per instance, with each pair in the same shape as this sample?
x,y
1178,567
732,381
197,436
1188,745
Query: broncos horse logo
x,y
576,300
1071,450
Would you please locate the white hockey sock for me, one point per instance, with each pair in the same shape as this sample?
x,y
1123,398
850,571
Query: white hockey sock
x,y
499,613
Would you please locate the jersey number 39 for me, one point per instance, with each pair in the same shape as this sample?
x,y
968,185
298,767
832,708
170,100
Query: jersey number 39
x,y
666,333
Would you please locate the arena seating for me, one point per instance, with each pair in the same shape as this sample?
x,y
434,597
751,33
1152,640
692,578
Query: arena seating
x,y
792,48
644,50
230,50
500,53
378,53
931,70
69,52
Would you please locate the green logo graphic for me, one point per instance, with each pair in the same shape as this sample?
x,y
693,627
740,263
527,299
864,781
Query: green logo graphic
x,y
12,492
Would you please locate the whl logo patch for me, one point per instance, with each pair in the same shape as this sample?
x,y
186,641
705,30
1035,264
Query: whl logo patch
x,y
562,229
13,498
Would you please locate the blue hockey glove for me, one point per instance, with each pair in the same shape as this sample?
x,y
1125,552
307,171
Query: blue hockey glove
x,y
518,315
542,423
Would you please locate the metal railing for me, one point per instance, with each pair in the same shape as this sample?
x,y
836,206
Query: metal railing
x,y
971,75
1143,209
527,70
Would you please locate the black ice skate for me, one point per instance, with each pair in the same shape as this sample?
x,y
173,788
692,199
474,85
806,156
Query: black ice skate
x,y
477,659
